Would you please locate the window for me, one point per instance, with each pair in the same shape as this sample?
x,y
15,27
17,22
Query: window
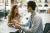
x,y
12,1
46,1
1,1
7,3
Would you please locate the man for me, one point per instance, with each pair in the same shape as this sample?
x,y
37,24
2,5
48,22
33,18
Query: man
x,y
36,20
35,25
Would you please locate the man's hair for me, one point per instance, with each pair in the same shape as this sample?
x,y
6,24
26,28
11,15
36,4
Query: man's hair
x,y
32,4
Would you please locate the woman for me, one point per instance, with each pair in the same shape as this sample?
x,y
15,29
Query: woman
x,y
14,18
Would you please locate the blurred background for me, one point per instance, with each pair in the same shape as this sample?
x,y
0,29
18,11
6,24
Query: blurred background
x,y
42,9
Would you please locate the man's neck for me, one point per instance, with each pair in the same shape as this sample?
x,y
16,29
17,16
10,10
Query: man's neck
x,y
33,12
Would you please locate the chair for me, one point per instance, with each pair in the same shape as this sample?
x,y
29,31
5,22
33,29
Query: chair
x,y
47,28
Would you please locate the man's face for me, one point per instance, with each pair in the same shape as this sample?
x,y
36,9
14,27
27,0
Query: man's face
x,y
29,9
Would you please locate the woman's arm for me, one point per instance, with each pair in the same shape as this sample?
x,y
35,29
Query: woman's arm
x,y
14,23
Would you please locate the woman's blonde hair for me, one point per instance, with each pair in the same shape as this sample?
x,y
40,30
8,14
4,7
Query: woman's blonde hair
x,y
12,15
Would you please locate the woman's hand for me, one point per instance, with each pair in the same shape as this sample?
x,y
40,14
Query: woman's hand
x,y
16,23
10,24
17,26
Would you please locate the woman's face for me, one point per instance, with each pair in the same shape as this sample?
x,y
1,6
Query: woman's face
x,y
16,10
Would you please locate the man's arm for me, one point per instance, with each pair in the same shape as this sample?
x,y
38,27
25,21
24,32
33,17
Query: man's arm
x,y
35,25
